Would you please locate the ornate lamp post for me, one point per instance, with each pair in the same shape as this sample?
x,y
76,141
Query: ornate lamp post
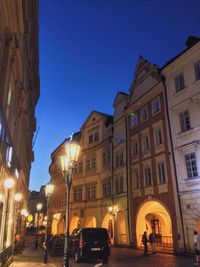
x,y
38,207
68,162
48,192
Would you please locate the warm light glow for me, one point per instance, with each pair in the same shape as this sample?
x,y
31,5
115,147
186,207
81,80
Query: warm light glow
x,y
18,197
65,164
1,197
45,218
49,189
39,206
110,208
72,151
24,212
9,183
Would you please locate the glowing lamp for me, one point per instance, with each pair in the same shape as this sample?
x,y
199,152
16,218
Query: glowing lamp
x,y
9,183
18,197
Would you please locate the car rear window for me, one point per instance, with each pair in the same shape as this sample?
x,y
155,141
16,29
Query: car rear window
x,y
95,234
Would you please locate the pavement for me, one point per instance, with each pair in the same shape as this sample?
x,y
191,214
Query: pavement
x,y
30,257
120,257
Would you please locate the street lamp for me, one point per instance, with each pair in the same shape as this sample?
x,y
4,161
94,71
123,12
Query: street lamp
x,y
68,162
38,207
48,192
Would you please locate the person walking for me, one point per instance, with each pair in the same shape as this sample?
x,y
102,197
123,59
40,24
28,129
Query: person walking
x,y
144,241
152,240
197,247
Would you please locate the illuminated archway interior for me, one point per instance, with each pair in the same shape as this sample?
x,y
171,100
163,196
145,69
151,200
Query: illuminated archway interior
x,y
75,223
108,223
121,228
61,226
90,222
153,214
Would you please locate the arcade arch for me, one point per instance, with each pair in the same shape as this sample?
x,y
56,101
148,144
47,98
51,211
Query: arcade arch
x,y
75,223
154,215
108,223
90,222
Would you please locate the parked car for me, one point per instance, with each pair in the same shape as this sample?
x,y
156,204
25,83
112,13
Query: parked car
x,y
90,243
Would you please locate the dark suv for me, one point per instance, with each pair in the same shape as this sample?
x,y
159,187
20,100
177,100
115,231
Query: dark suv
x,y
90,243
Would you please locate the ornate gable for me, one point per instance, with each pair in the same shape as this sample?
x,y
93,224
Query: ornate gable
x,y
146,76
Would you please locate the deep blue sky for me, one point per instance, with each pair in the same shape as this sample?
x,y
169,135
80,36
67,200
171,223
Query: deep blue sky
x,y
88,52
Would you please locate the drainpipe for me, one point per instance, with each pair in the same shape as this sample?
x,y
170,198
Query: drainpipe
x,y
170,134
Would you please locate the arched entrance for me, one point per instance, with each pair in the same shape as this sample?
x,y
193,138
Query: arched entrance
x,y
90,222
75,223
108,223
121,228
154,215
61,226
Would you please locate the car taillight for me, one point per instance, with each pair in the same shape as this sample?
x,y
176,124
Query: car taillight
x,y
80,243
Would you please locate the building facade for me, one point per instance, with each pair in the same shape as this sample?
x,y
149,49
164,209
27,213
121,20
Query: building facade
x,y
96,190
151,178
19,83
182,79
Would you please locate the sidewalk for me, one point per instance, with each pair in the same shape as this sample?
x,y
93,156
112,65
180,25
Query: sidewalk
x,y
31,257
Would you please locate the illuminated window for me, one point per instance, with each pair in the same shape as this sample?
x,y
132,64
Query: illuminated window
x,y
197,70
161,173
9,152
179,82
134,120
155,105
191,165
136,181
147,175
144,114
158,136
184,119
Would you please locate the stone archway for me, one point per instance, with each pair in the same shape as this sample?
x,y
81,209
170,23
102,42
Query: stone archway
x,y
90,222
154,215
75,223
108,223
121,228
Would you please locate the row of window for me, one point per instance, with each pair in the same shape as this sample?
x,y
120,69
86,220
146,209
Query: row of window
x,y
106,160
90,190
137,183
191,170
179,80
146,141
143,113
6,150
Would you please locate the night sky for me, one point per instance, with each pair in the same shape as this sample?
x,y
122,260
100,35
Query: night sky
x,y
88,52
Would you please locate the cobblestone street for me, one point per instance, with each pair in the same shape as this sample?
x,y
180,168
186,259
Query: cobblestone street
x,y
120,257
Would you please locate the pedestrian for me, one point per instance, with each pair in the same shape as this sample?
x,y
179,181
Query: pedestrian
x,y
144,241
197,247
152,240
